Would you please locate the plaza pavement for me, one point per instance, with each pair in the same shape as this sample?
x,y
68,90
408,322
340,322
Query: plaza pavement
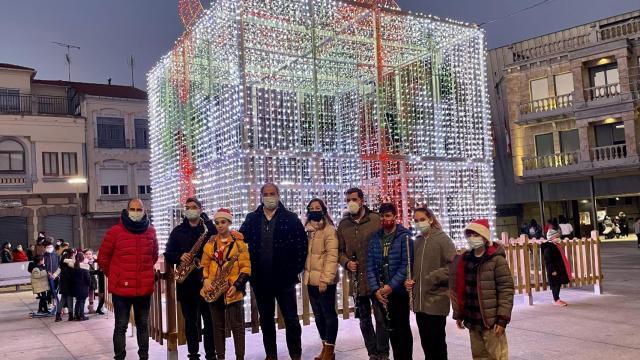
x,y
591,327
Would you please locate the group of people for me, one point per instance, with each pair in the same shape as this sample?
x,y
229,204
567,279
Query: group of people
x,y
13,255
272,248
63,279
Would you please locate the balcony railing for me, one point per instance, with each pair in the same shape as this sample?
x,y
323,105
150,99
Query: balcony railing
x,y
547,104
602,92
608,153
620,30
29,104
551,161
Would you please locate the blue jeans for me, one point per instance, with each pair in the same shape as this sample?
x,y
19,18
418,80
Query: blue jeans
x,y
324,311
122,308
376,341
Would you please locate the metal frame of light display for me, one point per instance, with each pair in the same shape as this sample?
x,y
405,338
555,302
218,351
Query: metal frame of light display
x,y
318,96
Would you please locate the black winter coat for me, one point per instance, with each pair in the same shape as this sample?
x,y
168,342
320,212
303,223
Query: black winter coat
x,y
182,239
65,277
80,282
553,262
289,247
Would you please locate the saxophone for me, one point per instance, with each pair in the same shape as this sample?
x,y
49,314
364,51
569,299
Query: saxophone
x,y
185,268
220,283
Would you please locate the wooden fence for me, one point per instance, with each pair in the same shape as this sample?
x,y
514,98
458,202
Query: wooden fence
x,y
166,323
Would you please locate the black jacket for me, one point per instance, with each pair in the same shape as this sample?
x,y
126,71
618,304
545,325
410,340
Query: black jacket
x,y
65,277
553,262
182,239
289,247
80,281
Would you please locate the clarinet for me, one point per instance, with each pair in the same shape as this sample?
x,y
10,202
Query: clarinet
x,y
356,283
385,308
409,275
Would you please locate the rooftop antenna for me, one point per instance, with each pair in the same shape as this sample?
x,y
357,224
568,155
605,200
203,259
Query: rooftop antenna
x,y
132,63
67,57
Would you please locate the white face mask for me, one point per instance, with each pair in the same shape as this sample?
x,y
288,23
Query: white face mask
x,y
136,216
270,202
475,242
192,214
353,207
422,226
49,249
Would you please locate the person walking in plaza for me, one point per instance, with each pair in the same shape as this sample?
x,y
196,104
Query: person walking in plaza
x,y
278,249
179,248
557,265
481,291
355,230
226,251
79,286
40,283
52,264
433,250
7,255
386,272
65,279
127,256
321,274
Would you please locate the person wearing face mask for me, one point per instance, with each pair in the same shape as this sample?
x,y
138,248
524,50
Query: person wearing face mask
x,y
387,271
481,291
182,239
321,274
557,265
278,249
7,256
19,255
127,255
355,229
39,248
433,250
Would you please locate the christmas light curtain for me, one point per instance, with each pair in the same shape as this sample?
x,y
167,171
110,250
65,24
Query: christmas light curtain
x,y
319,96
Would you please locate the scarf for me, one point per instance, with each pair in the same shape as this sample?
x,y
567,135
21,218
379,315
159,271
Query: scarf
x,y
134,227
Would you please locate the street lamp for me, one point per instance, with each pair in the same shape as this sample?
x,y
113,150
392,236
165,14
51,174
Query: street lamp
x,y
79,182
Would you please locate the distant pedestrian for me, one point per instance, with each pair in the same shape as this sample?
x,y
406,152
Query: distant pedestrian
x,y
566,229
557,265
534,231
7,256
19,255
40,282
636,228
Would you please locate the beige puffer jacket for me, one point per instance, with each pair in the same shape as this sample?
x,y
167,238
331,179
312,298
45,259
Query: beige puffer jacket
x,y
39,280
322,259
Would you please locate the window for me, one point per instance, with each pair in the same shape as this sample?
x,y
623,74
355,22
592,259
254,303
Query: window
x,y
609,134
114,190
69,164
11,157
544,144
539,89
604,75
142,133
569,141
144,189
563,84
50,164
9,99
111,132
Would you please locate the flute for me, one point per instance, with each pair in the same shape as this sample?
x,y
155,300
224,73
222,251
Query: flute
x,y
409,276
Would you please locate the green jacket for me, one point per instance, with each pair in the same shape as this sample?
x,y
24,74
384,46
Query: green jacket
x,y
431,259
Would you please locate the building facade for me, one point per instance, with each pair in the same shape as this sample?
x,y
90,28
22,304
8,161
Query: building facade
x,y
111,125
565,114
42,146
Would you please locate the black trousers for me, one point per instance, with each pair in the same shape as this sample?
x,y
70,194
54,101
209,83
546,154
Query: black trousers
x,y
195,308
122,308
555,290
266,298
324,312
400,333
432,335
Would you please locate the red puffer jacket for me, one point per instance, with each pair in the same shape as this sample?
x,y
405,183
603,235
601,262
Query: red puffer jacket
x,y
127,260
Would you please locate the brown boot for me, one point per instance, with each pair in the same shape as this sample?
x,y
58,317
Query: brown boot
x,y
329,352
321,355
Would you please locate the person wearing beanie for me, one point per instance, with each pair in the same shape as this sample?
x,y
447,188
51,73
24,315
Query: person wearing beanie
x,y
223,250
557,265
182,239
481,291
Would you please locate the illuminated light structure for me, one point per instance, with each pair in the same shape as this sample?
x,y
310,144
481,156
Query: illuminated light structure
x,y
318,96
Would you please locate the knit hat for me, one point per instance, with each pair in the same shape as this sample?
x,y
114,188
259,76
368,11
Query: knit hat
x,y
552,234
223,213
481,227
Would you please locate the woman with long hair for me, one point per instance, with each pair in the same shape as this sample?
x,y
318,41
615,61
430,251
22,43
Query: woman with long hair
x,y
321,274
80,285
433,251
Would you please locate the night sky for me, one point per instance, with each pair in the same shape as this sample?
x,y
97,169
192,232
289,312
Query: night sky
x,y
109,31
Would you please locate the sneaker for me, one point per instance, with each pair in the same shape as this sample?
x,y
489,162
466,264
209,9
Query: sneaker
x,y
559,303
